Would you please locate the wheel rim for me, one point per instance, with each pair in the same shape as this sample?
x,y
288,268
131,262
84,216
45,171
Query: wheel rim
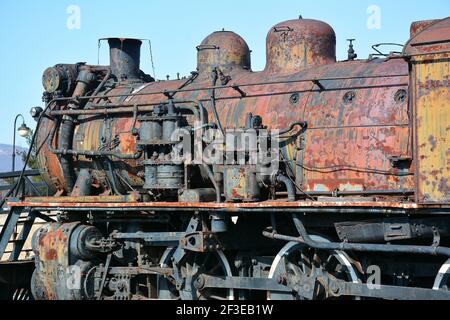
x,y
214,263
442,280
278,267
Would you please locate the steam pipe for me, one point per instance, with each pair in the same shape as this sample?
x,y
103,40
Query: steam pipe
x,y
289,186
205,166
65,142
361,247
101,85
66,135
84,79
216,186
201,116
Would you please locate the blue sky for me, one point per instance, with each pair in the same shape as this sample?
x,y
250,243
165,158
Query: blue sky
x,y
34,34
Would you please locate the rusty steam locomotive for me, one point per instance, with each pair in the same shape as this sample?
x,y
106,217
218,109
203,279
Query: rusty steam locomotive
x,y
306,180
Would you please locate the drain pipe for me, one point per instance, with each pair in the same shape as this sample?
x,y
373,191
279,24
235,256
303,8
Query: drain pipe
x,y
289,186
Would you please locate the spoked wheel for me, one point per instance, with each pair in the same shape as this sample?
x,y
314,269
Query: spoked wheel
x,y
300,266
442,281
181,284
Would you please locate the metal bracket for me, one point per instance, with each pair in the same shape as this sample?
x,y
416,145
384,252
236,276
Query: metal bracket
x,y
238,89
169,94
192,227
207,47
200,242
282,29
436,237
320,85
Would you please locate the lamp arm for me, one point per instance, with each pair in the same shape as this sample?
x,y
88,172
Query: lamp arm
x,y
14,140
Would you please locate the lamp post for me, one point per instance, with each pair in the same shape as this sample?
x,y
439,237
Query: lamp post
x,y
23,132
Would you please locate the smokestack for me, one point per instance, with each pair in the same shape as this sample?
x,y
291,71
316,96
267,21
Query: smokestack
x,y
125,57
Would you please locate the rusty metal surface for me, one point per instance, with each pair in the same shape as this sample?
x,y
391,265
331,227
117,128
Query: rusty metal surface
x,y
30,202
432,115
51,249
419,26
430,77
349,142
381,126
90,199
370,135
298,44
434,38
224,49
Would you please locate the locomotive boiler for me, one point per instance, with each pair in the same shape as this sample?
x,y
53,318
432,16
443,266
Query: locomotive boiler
x,y
306,180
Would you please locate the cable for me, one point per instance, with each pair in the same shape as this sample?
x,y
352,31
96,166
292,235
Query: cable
x,y
334,169
112,177
151,58
125,182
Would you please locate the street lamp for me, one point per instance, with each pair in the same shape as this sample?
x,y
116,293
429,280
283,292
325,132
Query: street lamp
x,y
23,132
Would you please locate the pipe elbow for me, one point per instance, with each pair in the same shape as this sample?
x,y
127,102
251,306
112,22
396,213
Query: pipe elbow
x,y
289,186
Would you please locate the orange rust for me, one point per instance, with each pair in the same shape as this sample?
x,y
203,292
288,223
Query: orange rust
x,y
419,26
347,146
338,134
230,206
298,44
430,51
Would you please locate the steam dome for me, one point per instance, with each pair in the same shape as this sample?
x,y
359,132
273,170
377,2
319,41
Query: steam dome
x,y
225,50
297,44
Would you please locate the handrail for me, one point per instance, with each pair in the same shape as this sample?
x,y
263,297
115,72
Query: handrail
x,y
16,174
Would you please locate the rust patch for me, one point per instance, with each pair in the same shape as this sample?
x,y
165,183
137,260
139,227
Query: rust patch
x,y
433,143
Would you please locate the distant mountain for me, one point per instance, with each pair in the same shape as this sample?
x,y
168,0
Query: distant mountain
x,y
6,158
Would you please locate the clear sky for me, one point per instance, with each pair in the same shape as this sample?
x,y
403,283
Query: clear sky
x,y
38,34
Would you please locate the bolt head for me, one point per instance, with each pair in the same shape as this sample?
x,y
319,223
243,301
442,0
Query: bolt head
x,y
199,283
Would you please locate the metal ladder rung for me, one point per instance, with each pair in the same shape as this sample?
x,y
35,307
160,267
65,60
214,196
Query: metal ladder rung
x,y
17,241
9,229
